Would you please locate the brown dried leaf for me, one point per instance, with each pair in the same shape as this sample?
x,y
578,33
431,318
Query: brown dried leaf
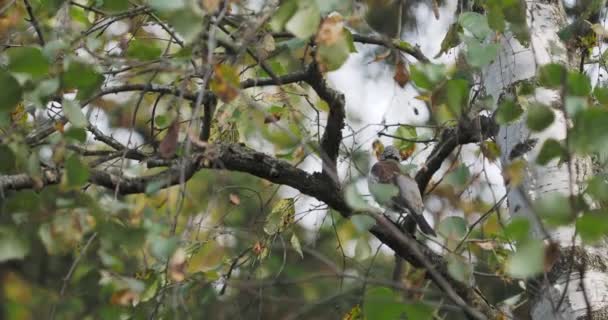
x,y
168,146
272,118
331,29
225,82
258,248
177,265
402,76
124,297
486,245
378,148
59,126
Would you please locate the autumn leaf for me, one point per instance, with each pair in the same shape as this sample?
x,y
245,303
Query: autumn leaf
x,y
225,82
124,297
378,148
168,146
402,76
331,30
177,265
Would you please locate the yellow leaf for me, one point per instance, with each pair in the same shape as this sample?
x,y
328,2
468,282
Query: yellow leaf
x,y
354,314
225,82
514,173
281,217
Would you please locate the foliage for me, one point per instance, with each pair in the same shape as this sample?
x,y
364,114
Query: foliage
x,y
145,146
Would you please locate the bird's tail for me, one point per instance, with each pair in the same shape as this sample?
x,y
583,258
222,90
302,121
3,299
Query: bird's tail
x,y
424,225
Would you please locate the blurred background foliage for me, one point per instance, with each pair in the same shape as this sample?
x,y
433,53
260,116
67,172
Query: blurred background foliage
x,y
227,245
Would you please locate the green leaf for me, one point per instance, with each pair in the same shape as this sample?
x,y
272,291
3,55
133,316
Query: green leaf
x,y
427,75
74,113
406,133
143,49
382,303
77,173
460,269
7,165
362,222
354,199
154,186
165,6
281,217
597,187
28,60
114,5
589,132
480,55
349,41
578,84
508,111
13,244
362,249
304,23
162,248
419,311
295,244
25,201
592,226
11,92
527,261
383,193
539,117
552,75
475,23
458,95
453,228
601,94
83,77
75,133
495,16
551,149
554,208
575,105
332,57
187,23
518,229
283,14
451,39
459,177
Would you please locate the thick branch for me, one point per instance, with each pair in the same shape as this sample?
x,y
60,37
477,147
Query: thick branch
x,y
286,79
471,131
209,109
332,137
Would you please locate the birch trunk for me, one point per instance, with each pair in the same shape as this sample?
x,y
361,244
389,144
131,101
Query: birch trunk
x,y
514,64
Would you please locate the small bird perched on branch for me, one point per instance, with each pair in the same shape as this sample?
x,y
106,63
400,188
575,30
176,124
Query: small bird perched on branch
x,y
396,190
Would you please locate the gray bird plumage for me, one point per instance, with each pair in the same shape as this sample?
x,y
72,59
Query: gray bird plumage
x,y
408,198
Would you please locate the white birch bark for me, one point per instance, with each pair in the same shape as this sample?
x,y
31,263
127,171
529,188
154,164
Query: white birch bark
x,y
516,63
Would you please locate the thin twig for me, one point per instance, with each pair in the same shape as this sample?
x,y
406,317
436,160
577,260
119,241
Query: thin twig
x,y
34,22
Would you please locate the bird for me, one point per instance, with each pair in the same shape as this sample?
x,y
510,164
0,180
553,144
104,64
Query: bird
x,y
396,190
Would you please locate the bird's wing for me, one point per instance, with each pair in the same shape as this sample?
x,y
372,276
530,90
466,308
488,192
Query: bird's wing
x,y
410,194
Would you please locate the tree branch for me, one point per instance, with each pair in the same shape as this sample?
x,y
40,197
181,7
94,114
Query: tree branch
x,y
34,22
209,109
286,79
467,131
332,137
400,45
